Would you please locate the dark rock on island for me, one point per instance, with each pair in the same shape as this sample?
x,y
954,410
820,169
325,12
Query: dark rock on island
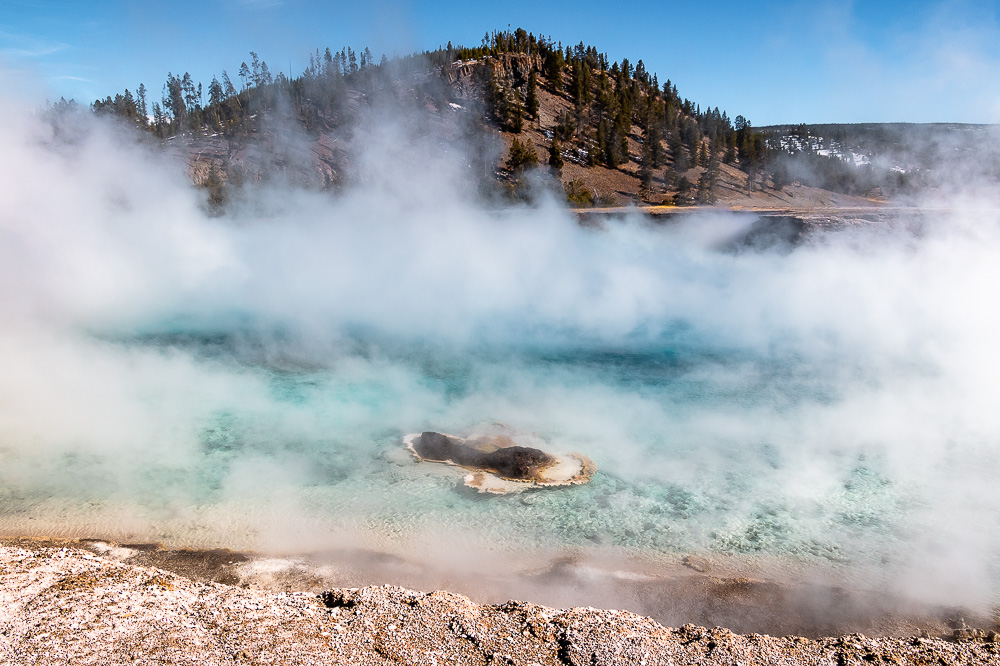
x,y
518,463
499,464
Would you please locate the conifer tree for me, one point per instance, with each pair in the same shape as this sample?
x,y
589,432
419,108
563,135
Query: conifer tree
x,y
707,182
645,179
517,115
520,157
683,197
679,154
730,155
553,68
230,89
215,97
127,106
595,155
531,101
555,156
215,92
141,99
173,99
669,177
158,120
328,66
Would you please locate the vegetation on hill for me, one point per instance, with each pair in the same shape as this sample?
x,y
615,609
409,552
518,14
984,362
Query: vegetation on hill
x,y
893,159
564,110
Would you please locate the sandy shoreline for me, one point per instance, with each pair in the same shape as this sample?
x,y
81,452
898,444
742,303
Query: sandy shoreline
x,y
98,602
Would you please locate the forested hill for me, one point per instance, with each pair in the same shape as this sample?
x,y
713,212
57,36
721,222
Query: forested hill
x,y
609,133
895,157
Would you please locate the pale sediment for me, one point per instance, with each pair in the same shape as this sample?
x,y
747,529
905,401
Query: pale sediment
x,y
62,605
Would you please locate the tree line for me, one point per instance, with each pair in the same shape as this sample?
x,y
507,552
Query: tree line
x,y
619,112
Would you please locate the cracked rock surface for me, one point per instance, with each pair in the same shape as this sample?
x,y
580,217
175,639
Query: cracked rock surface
x,y
74,606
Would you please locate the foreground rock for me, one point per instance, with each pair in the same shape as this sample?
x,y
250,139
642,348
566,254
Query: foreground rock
x,y
71,606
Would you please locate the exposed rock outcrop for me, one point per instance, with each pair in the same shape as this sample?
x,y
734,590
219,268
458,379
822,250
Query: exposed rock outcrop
x,y
499,455
499,464
71,606
468,78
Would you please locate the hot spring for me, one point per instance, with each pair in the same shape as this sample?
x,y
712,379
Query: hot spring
x,y
246,381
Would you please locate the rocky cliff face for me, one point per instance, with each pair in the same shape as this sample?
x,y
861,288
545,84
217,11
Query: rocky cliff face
x,y
265,154
512,69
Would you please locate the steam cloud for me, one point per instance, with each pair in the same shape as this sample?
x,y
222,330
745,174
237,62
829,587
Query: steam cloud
x,y
244,380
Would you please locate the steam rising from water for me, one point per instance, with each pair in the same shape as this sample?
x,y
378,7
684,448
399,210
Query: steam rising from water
x,y
245,381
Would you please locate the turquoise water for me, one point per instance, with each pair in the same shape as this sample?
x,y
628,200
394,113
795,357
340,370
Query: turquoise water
x,y
673,475
831,404
246,380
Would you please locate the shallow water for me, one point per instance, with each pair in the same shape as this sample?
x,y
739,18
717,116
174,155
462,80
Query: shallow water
x,y
829,404
324,444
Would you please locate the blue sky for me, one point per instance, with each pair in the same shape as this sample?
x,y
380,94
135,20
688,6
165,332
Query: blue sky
x,y
773,62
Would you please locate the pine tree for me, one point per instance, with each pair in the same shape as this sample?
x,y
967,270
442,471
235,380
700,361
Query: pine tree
x,y
531,102
669,178
679,155
707,182
215,92
230,89
173,99
127,107
215,97
595,155
158,120
646,171
683,197
645,180
553,68
141,99
730,155
555,156
328,67
521,156
607,144
254,68
517,115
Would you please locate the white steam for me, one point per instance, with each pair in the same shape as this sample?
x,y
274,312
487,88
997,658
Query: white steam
x,y
834,401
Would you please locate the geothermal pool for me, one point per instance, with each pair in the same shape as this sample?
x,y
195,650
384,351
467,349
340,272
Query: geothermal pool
x,y
301,453
828,404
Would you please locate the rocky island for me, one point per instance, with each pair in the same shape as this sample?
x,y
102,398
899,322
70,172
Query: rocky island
x,y
498,464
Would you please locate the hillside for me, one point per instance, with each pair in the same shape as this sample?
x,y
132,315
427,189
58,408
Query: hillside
x,y
524,113
898,159
622,185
